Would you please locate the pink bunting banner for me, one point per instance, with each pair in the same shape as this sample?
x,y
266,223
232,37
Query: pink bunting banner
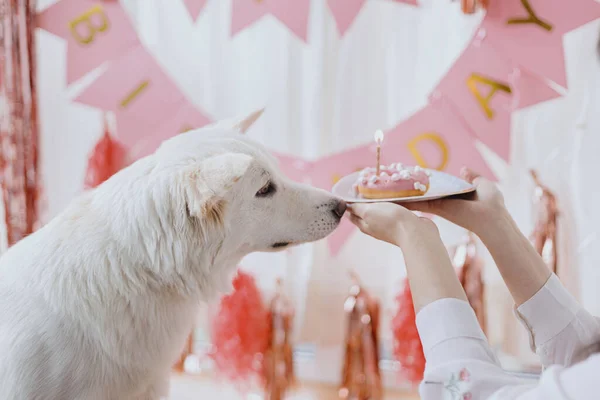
x,y
337,240
344,12
95,31
135,88
435,138
143,138
292,13
194,7
294,168
478,86
326,171
530,89
530,32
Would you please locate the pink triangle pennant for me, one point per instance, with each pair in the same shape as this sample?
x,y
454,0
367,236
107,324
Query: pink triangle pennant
x,y
326,171
530,89
194,7
294,168
292,13
530,32
135,88
95,31
435,138
344,12
336,241
143,138
478,86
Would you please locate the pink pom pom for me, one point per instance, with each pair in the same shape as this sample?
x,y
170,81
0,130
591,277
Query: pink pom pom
x,y
106,159
407,344
240,332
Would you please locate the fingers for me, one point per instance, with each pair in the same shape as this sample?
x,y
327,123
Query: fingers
x,y
358,209
360,223
470,176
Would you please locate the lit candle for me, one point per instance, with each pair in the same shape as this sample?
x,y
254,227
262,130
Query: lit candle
x,y
378,140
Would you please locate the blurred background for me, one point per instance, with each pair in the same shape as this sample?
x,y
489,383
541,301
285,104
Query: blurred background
x,y
326,95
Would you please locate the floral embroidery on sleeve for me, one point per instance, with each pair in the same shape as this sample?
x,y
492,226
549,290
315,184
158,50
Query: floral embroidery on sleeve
x,y
457,387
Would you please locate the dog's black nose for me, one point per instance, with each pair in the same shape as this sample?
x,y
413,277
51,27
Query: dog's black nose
x,y
340,208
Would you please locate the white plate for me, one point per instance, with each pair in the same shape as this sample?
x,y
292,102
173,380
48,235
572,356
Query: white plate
x,y
440,185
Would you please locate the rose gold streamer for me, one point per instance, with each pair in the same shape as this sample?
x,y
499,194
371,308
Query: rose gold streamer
x,y
470,269
361,379
18,119
279,359
543,236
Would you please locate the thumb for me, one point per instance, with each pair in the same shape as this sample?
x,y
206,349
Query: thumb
x,y
358,209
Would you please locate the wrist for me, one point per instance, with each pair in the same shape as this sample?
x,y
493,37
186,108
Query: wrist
x,y
495,225
415,232
489,221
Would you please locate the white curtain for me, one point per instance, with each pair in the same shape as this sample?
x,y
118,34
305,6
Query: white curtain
x,y
330,94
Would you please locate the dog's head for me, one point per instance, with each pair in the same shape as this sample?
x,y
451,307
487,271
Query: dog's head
x,y
233,187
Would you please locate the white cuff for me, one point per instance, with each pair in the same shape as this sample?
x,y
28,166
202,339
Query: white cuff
x,y
447,319
547,312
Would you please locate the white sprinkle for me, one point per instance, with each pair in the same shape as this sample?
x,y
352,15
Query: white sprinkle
x,y
419,186
362,173
404,174
417,168
399,166
373,179
392,166
428,173
395,177
383,173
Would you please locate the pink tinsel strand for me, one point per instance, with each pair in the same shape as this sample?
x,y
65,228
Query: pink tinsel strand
x,y
240,332
407,344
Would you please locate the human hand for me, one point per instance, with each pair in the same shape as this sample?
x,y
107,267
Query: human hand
x,y
389,222
428,265
472,213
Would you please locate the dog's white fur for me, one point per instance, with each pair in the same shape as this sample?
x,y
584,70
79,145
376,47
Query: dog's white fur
x,y
97,304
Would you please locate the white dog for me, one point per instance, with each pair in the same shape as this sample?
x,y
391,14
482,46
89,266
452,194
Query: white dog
x,y
97,304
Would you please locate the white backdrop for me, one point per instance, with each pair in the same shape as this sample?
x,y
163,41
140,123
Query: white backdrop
x,y
330,94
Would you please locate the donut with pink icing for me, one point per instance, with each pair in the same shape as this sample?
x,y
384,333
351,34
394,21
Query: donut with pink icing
x,y
394,180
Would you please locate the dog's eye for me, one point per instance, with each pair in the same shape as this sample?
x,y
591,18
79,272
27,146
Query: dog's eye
x,y
266,190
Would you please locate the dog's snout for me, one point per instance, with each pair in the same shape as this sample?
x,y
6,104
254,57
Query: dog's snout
x,y
340,208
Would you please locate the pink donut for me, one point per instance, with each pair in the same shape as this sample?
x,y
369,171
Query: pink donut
x,y
394,180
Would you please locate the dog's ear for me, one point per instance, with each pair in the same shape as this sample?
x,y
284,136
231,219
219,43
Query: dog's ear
x,y
207,183
245,124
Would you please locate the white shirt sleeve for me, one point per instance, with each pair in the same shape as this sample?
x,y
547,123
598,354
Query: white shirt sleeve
x,y
560,329
461,364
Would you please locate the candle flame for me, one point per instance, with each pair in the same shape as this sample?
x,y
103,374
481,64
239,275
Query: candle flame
x,y
378,136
